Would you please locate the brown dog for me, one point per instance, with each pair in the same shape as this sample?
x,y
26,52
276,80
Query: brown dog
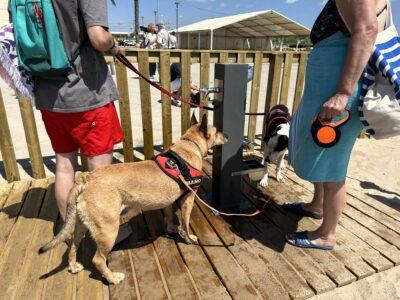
x,y
97,199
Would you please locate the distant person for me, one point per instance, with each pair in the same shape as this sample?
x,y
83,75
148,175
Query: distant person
x,y
172,40
176,85
150,42
163,37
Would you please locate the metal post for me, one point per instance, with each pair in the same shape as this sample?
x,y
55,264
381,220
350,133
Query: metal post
x,y
212,40
188,41
155,17
177,22
281,44
198,41
229,117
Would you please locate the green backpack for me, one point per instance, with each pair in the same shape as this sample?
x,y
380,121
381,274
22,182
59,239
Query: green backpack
x,y
39,44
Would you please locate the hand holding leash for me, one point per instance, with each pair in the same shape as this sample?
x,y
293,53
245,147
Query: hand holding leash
x,y
334,107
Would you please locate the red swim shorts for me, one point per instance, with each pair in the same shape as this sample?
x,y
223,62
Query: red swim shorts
x,y
95,132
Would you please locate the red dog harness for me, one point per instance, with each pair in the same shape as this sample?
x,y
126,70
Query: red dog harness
x,y
174,166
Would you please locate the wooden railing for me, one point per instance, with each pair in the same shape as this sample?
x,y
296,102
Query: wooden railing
x,y
277,91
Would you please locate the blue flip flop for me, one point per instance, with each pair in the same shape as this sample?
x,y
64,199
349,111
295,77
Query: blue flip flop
x,y
297,209
301,240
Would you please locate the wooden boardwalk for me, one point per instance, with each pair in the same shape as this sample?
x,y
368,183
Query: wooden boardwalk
x,y
238,258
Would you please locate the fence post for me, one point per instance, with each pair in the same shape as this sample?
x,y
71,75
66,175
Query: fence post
x,y
125,111
286,78
185,66
255,94
300,81
165,79
274,78
145,95
204,80
32,139
6,146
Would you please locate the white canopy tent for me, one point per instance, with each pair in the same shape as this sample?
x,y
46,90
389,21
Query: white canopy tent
x,y
251,31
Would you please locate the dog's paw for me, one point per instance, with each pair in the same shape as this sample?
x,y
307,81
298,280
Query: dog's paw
x,y
116,278
280,178
75,267
264,182
193,239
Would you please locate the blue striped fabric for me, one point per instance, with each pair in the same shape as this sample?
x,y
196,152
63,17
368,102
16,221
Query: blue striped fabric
x,y
385,60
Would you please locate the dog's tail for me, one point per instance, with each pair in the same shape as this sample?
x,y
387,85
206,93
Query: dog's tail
x,y
70,219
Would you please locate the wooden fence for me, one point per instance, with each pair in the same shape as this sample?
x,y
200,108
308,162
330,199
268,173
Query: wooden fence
x,y
277,91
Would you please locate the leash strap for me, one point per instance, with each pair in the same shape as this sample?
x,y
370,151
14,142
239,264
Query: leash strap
x,y
127,64
215,211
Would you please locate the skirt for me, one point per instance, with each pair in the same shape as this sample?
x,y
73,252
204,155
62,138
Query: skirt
x,y
310,161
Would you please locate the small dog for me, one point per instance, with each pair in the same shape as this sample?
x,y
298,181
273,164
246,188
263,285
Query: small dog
x,y
276,141
97,198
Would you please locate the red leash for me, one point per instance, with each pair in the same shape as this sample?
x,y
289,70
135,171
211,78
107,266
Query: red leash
x,y
127,64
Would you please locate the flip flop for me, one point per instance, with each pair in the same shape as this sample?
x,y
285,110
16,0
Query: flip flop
x,y
297,209
301,240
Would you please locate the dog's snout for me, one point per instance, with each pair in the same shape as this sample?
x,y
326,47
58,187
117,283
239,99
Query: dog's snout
x,y
226,136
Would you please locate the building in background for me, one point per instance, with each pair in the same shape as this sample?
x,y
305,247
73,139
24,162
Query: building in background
x,y
262,30
4,12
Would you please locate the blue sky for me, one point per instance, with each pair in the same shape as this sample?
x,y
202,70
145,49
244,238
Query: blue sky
x,y
302,11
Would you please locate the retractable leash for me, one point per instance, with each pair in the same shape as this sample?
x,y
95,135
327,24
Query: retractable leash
x,y
127,64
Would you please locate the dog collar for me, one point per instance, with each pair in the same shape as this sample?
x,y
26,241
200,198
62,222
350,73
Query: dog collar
x,y
194,143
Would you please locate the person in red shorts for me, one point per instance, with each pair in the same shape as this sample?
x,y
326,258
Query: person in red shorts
x,y
77,109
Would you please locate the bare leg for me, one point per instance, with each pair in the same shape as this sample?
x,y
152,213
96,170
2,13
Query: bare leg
x,y
334,203
187,206
316,205
65,176
99,161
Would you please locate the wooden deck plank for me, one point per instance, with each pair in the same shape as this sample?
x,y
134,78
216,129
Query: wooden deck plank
x,y
174,269
247,258
59,283
378,228
19,241
120,261
206,281
293,283
29,282
148,274
11,210
238,286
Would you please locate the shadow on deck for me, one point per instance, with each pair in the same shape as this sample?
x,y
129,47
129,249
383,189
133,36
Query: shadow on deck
x,y
239,258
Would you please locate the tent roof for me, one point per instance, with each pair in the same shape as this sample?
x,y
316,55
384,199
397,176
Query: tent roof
x,y
254,24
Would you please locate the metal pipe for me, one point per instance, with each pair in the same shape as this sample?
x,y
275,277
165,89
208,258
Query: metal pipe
x,y
212,40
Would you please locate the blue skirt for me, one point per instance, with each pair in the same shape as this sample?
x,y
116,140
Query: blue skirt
x,y
310,161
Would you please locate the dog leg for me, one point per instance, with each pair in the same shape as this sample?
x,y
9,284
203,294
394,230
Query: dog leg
x,y
74,266
279,168
264,180
105,238
169,219
186,208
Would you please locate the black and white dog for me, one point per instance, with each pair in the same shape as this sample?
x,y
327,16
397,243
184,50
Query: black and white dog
x,y
276,141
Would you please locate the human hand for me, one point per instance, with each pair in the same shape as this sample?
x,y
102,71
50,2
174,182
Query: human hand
x,y
334,107
114,49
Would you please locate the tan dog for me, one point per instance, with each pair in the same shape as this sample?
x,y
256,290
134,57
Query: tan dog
x,y
97,198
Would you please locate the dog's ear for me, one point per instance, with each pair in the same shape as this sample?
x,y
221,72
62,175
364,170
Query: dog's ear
x,y
204,125
193,120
